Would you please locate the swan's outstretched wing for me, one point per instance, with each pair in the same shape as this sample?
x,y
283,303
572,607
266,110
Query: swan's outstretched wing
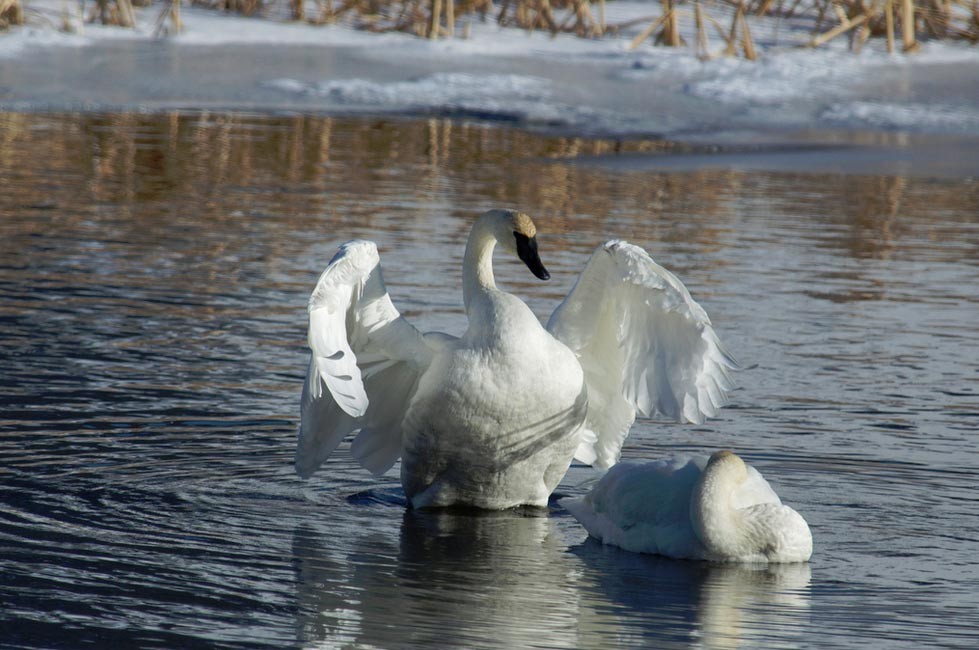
x,y
365,365
644,345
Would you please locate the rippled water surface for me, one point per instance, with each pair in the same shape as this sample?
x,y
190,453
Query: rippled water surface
x,y
153,277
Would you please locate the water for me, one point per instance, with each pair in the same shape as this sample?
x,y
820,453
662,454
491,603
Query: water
x,y
153,277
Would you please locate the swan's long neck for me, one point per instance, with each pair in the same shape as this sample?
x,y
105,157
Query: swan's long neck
x,y
477,267
717,523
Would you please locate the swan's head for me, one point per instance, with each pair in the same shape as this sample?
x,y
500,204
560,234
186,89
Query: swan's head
x,y
764,531
517,234
727,463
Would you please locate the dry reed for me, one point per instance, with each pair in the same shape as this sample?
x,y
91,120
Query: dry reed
x,y
113,12
169,20
11,13
243,7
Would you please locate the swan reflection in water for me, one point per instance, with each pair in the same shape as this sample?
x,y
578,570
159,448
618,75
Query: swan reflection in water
x,y
452,578
674,602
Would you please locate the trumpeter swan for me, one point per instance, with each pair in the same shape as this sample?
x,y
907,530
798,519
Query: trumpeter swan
x,y
493,418
693,507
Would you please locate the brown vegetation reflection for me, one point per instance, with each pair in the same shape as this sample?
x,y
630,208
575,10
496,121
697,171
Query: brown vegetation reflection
x,y
205,170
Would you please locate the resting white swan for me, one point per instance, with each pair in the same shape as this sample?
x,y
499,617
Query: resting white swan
x,y
716,509
493,418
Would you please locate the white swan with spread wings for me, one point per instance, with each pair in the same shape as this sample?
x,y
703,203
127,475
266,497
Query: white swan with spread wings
x,y
493,418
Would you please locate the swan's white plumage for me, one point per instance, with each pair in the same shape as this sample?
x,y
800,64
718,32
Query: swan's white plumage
x,y
653,508
494,417
366,355
645,345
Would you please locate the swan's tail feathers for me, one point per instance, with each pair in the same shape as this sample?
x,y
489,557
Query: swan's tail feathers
x,y
583,510
645,345
366,360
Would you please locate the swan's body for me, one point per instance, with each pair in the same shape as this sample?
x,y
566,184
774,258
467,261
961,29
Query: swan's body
x,y
717,509
493,418
496,418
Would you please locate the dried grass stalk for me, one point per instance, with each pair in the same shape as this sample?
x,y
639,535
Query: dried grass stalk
x,y
649,30
171,12
11,13
747,42
889,19
114,12
907,22
68,22
243,7
732,37
842,28
671,29
433,31
703,44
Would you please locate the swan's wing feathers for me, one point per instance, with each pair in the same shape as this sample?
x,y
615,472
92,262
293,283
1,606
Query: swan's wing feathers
x,y
585,323
366,355
338,289
643,507
645,345
676,365
323,425
378,445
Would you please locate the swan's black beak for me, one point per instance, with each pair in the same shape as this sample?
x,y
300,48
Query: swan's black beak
x,y
527,251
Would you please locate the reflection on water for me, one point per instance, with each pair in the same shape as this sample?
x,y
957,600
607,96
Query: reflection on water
x,y
153,275
450,579
718,605
456,579
205,170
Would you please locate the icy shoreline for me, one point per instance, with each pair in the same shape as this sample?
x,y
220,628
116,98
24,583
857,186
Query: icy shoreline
x,y
590,87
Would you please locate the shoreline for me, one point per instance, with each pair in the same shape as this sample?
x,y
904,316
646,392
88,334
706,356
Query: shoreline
x,y
874,113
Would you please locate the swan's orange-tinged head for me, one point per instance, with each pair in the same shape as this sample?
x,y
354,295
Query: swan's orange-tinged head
x,y
718,456
523,225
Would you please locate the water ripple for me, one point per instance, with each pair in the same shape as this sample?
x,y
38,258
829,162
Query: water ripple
x,y
154,271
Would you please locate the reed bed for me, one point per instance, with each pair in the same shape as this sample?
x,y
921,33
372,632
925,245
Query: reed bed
x,y
907,21
901,23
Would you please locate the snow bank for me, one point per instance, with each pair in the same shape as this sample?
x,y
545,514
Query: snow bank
x,y
596,84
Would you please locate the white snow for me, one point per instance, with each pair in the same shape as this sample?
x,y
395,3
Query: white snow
x,y
904,117
600,83
501,96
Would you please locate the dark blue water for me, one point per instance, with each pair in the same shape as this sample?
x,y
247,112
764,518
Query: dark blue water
x,y
154,271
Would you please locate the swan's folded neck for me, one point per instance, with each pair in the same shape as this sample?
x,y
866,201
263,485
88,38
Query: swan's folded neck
x,y
715,520
477,267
